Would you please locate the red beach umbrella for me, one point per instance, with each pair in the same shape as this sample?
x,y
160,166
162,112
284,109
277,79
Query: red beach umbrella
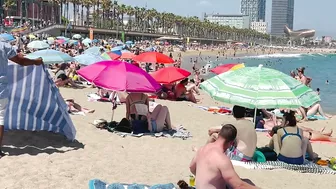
x,y
226,67
169,75
153,57
127,55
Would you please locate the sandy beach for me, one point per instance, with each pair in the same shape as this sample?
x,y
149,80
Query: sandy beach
x,y
46,160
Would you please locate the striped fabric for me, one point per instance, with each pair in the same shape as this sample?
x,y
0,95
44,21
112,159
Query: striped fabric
x,y
35,103
307,167
259,87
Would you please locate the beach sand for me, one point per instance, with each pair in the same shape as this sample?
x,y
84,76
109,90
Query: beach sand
x,y
42,160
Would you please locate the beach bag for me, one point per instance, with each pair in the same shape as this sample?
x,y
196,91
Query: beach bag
x,y
269,153
124,126
139,126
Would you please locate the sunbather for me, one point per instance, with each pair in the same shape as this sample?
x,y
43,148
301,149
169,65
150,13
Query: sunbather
x,y
311,111
137,108
62,78
212,168
75,107
289,143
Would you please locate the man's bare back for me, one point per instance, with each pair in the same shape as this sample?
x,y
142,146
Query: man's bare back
x,y
208,172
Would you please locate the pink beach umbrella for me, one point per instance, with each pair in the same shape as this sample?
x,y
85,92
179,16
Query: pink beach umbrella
x,y
116,75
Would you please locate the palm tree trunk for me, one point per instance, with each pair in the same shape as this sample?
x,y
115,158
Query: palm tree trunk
x,y
82,15
21,13
26,9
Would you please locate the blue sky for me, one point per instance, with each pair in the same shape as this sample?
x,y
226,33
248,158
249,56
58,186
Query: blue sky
x,y
316,14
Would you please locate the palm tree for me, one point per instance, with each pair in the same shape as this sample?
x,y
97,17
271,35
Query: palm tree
x,y
7,6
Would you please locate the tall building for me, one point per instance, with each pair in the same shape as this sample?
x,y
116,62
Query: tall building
x,y
260,26
282,14
237,21
256,9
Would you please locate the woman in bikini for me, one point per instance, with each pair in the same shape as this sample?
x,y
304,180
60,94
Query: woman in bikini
x,y
137,104
289,142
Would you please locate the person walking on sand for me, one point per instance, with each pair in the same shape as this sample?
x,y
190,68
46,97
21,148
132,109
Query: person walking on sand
x,y
8,52
212,168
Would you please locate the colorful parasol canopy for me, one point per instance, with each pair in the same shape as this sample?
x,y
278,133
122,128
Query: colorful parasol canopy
x,y
153,57
226,67
119,76
170,74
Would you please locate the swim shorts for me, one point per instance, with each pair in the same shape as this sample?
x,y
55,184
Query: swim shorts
x,y
234,154
3,107
295,161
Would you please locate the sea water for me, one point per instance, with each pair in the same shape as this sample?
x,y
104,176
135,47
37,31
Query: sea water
x,y
320,67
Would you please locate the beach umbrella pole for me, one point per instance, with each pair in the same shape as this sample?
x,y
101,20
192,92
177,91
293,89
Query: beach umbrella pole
x,y
255,116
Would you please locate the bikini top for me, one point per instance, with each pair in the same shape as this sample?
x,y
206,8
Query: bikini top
x,y
291,134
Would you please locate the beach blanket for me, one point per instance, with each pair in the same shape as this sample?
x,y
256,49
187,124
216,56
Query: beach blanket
x,y
98,184
179,132
221,110
312,117
307,167
311,141
35,103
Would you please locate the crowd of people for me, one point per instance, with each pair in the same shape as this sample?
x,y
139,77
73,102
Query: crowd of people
x,y
211,164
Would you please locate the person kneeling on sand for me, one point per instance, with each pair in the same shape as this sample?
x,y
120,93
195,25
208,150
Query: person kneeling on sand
x,y
212,168
246,142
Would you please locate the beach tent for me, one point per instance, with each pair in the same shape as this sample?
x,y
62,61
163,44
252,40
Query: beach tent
x,y
35,103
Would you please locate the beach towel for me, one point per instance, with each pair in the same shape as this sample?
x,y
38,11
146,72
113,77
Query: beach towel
x,y
179,132
35,103
307,167
98,184
311,141
312,117
221,110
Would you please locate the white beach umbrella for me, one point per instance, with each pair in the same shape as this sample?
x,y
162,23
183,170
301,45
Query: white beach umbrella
x,y
76,36
38,45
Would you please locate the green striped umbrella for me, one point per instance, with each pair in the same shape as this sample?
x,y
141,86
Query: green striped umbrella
x,y
259,87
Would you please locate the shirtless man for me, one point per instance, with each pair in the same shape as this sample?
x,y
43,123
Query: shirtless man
x,y
246,142
212,168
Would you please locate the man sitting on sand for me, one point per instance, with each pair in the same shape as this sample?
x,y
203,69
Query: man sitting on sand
x,y
212,168
246,142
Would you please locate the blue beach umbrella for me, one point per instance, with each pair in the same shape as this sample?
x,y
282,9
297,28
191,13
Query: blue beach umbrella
x,y
50,56
60,37
5,37
88,59
38,45
93,50
87,41
118,52
117,48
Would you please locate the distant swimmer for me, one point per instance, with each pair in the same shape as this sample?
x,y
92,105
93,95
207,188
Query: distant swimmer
x,y
327,82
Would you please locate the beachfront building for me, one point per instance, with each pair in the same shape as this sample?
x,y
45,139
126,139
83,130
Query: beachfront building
x,y
282,15
35,11
256,9
232,20
260,26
